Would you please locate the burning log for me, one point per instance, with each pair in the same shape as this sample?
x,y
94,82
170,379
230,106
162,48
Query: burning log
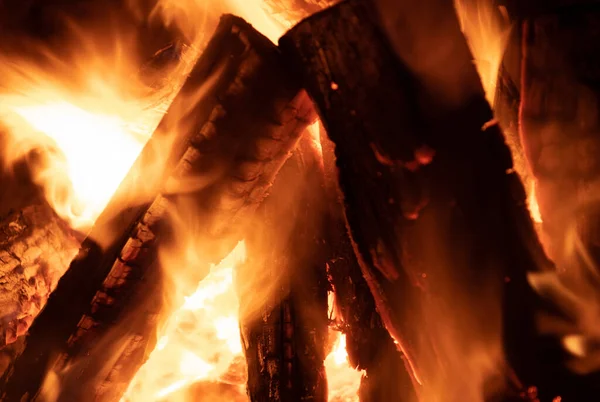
x,y
237,117
559,126
35,247
285,328
370,347
435,209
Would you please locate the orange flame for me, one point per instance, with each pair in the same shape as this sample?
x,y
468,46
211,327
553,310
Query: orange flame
x,y
532,203
200,341
88,112
487,30
90,115
343,380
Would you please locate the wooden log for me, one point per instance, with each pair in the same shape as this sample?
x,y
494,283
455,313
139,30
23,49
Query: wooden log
x,y
283,288
224,174
234,120
369,345
36,247
436,211
559,120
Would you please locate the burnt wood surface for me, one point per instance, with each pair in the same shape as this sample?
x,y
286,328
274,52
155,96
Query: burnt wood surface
x,y
236,80
36,246
436,211
283,287
369,345
221,179
559,121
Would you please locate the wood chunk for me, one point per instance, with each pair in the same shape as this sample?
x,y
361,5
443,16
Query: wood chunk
x,y
436,212
236,96
559,121
36,247
283,288
369,345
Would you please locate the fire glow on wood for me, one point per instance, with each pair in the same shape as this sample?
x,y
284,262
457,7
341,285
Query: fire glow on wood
x,y
239,249
97,123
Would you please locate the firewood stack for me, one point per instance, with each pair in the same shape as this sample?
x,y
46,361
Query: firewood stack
x,y
411,212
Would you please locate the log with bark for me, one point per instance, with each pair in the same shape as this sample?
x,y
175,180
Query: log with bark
x,y
369,345
283,287
235,121
436,211
36,247
559,127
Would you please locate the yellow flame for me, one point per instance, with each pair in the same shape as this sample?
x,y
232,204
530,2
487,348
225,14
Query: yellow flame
x,y
487,31
90,115
200,341
533,205
87,111
343,381
98,150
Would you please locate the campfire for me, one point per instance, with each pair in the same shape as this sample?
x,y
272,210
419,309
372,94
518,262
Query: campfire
x,y
334,201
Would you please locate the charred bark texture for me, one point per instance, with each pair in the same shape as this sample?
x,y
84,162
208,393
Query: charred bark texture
x,y
235,121
369,345
36,247
436,212
283,288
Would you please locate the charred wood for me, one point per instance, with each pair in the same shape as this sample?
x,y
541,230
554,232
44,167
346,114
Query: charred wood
x,y
434,206
559,126
235,121
283,288
369,345
36,247
220,180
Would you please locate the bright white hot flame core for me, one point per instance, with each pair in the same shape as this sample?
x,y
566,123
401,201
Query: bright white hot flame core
x,y
98,150
200,341
343,380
